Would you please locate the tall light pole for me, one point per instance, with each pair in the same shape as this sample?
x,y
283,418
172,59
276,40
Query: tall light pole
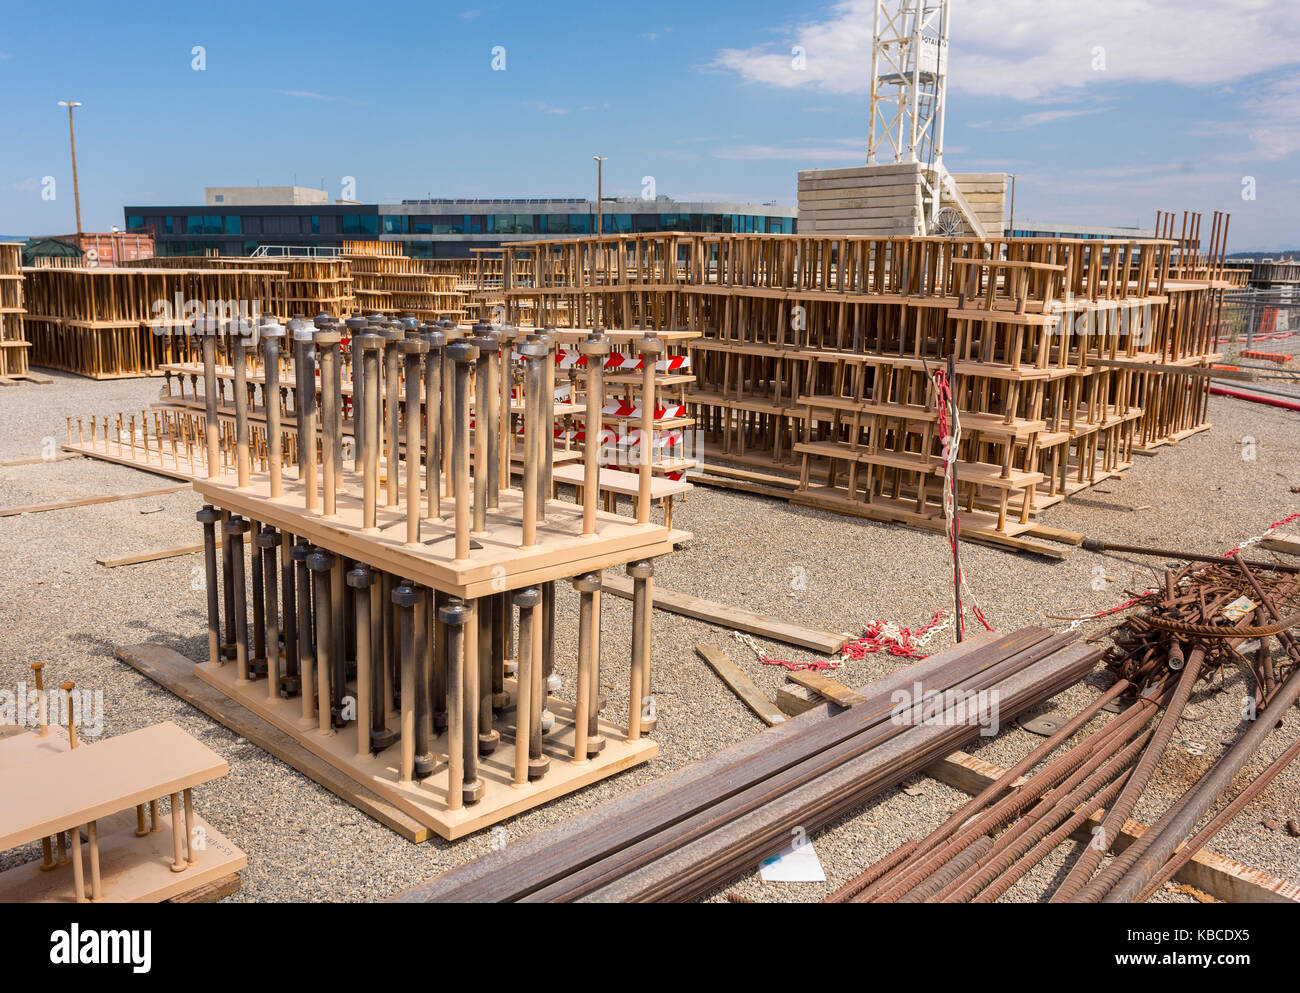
x,y
600,170
72,139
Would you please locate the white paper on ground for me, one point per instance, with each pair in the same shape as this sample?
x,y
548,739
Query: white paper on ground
x,y
797,863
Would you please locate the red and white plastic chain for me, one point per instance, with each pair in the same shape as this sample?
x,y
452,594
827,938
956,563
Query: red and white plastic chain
x,y
1272,528
881,636
952,527
766,659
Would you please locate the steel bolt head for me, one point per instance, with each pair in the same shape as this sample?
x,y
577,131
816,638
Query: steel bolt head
x,y
355,323
361,577
320,560
409,322
530,596
462,351
391,334
532,350
267,537
272,328
454,613
208,514
651,344
641,570
300,329
407,595
414,346
436,339
588,582
328,337
375,317
595,344
235,526
300,552
322,321
371,342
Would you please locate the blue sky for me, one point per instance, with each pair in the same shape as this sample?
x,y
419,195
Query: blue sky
x,y
1188,101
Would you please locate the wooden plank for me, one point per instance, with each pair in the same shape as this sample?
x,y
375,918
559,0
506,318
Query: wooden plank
x,y
741,685
62,457
836,693
1217,875
1287,544
38,508
1056,534
211,892
165,553
175,673
735,618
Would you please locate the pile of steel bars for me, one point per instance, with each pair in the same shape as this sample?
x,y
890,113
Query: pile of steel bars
x,y
687,833
1189,629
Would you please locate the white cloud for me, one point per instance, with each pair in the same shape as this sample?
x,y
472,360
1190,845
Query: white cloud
x,y
800,149
304,95
547,108
1032,49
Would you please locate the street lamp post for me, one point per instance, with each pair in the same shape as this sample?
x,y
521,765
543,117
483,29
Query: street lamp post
x,y
72,139
600,217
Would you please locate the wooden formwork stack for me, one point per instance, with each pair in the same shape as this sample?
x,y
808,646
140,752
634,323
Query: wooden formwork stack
x,y
305,286
113,323
402,587
817,355
13,340
387,282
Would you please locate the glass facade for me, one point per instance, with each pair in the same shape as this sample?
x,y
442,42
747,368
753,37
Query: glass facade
x,y
423,235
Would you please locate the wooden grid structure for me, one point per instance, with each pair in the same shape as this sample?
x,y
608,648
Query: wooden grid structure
x,y
307,286
816,355
385,281
403,605
115,323
13,341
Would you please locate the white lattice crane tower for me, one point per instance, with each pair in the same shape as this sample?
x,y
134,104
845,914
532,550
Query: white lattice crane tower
x,y
909,82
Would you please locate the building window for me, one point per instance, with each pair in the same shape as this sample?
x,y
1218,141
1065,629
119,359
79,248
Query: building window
x,y
315,223
212,224
394,223
134,221
167,224
421,225
233,225
360,224
219,198
193,224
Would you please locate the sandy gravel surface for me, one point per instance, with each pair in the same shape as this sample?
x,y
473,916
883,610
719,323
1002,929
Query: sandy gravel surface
x,y
804,565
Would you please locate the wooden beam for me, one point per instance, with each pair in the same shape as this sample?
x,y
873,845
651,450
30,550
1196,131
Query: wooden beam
x,y
1217,875
37,508
175,673
741,685
1287,544
836,693
165,553
735,618
61,457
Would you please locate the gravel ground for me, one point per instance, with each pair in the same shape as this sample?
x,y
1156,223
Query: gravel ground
x,y
816,568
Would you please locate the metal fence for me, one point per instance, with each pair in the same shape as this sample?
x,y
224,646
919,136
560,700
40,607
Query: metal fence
x,y
1259,332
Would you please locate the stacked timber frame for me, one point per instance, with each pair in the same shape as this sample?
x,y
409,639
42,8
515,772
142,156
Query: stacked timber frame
x,y
816,356
13,341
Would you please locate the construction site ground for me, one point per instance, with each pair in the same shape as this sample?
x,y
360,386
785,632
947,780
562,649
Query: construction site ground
x,y
1205,494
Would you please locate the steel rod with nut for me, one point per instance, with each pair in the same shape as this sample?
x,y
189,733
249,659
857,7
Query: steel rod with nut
x,y
424,757
271,333
206,327
393,336
356,325
505,434
305,404
548,415
371,348
473,787
413,349
533,354
526,600
651,348
331,383
484,431
267,542
642,574
596,347
234,531
586,585
361,579
462,353
407,598
488,736
306,634
381,735
208,517
453,617
492,415
239,362
433,417
327,349
320,562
